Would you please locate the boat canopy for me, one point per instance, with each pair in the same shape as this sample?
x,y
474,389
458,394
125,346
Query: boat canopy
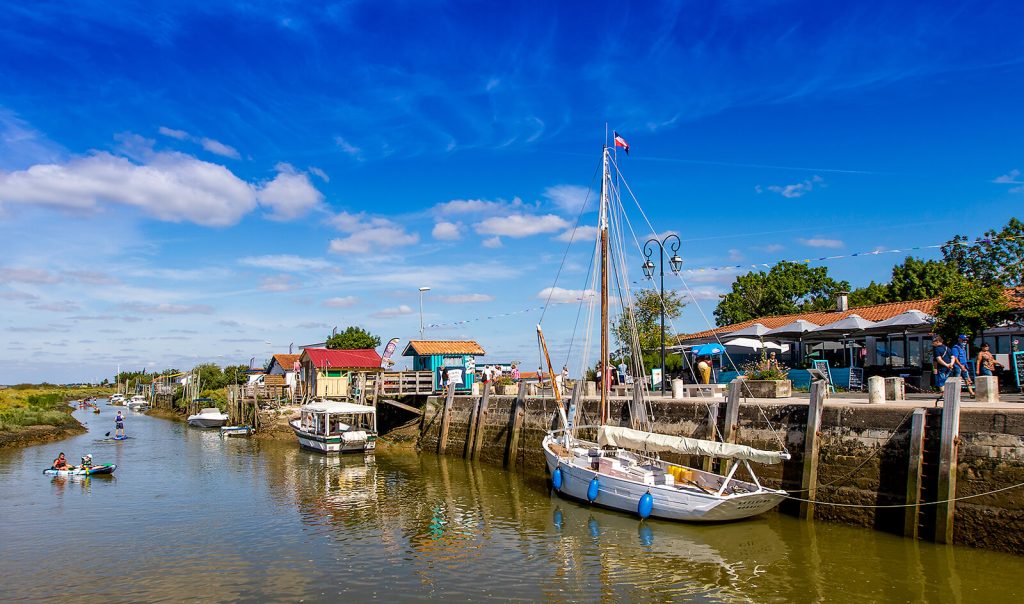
x,y
650,442
336,407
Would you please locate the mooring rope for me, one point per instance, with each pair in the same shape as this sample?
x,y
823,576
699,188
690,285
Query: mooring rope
x,y
906,505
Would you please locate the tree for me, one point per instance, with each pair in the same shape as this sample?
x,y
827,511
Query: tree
x,y
788,287
646,317
968,307
872,293
236,374
352,338
996,258
918,279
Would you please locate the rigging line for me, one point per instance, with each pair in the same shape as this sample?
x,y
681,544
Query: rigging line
x,y
907,505
568,246
579,312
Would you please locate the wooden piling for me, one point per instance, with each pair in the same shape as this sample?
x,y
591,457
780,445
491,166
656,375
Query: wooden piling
x,y
481,422
471,427
707,464
446,418
731,427
812,443
515,425
947,461
912,514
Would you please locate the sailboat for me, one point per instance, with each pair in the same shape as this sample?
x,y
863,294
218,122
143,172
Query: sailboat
x,y
621,469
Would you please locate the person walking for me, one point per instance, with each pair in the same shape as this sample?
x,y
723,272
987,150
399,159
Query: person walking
x,y
942,362
985,364
960,363
704,368
515,373
119,425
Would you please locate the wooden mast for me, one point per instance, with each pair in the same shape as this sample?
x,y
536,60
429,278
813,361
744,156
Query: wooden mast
x,y
603,365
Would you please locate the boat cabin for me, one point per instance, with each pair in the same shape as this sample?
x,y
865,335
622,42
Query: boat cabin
x,y
457,356
326,373
331,418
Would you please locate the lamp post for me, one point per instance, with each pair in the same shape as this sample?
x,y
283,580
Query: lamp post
x,y
422,290
675,263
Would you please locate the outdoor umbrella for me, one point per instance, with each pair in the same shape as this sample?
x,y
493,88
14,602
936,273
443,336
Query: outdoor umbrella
x,y
842,329
757,344
903,323
707,349
757,330
794,330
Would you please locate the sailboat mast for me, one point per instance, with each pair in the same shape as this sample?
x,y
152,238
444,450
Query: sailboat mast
x,y
605,193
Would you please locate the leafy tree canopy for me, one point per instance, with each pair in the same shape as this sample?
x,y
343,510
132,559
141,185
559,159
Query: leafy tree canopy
x,y
967,307
788,287
872,293
353,337
646,317
918,279
996,258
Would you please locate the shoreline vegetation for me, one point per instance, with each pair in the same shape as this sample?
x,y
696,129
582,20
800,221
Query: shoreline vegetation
x,y
36,413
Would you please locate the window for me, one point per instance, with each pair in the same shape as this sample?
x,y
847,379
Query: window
x,y
334,373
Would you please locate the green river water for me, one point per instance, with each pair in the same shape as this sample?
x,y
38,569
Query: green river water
x,y
189,516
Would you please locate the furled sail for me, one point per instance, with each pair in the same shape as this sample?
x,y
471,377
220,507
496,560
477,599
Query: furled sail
x,y
650,442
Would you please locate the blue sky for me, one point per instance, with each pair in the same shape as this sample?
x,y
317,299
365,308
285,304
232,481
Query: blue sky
x,y
185,182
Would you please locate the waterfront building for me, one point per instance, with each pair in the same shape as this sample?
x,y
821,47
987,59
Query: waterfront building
x,y
326,373
457,356
282,372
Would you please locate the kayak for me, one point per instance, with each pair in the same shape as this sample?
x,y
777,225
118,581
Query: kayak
x,y
107,468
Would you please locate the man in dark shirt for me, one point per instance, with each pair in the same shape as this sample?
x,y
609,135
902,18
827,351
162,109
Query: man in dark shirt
x,y
942,362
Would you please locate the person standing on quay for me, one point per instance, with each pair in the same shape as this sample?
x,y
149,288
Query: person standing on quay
x,y
985,364
942,362
515,373
960,360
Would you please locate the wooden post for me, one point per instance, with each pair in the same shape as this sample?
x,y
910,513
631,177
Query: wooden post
x,y
947,461
446,418
708,462
809,477
515,424
912,513
481,422
730,431
467,450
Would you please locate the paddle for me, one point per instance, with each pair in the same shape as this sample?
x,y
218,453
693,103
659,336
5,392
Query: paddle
x,y
107,435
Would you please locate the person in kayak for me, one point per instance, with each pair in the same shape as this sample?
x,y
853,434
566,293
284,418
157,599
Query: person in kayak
x,y
119,423
61,463
86,461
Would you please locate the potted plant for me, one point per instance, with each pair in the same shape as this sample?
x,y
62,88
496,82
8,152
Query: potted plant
x,y
767,378
505,385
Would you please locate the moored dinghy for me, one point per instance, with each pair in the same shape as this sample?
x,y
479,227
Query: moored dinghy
x,y
107,468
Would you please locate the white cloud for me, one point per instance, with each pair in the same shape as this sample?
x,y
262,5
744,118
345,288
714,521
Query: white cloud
x,y
319,173
466,298
559,295
583,233
568,198
219,148
289,195
735,255
447,231
341,302
168,309
348,148
65,306
26,275
703,293
278,283
368,234
92,277
18,296
794,190
178,134
393,312
285,262
770,248
1010,178
1017,190
492,242
476,206
822,242
521,225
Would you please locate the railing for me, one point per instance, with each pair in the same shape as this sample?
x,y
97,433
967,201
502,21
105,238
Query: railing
x,y
406,382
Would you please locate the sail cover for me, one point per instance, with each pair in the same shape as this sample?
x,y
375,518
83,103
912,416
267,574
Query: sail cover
x,y
650,442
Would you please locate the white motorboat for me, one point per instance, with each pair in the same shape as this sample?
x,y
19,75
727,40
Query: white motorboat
x,y
210,417
117,399
622,469
336,427
137,403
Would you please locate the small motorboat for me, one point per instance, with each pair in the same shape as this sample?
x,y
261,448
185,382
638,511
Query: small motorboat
x,y
137,403
117,399
235,430
336,427
107,468
210,417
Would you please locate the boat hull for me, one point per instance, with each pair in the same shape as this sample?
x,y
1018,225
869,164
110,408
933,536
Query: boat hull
x,y
93,471
331,444
206,422
670,503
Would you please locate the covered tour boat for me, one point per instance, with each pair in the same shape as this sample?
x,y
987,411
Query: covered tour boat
x,y
336,427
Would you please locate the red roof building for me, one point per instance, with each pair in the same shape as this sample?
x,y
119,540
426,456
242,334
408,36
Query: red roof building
x,y
325,358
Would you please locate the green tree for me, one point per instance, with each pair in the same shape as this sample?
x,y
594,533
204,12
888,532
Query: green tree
x,y
967,307
788,287
236,374
996,258
352,338
918,279
872,293
646,317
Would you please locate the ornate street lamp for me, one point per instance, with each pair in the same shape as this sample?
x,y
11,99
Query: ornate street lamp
x,y
675,264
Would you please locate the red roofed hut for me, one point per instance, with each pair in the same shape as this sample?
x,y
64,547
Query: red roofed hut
x,y
327,373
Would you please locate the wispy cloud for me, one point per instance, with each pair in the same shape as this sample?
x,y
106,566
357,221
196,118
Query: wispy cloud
x,y
569,198
822,242
521,225
286,263
397,311
583,233
27,275
168,309
278,283
1010,178
794,190
348,148
466,298
65,306
492,242
213,146
560,295
340,302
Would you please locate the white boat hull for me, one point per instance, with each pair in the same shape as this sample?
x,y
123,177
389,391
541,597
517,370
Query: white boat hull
x,y
331,444
670,502
206,422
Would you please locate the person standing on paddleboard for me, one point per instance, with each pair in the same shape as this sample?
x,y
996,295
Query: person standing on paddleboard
x,y
119,424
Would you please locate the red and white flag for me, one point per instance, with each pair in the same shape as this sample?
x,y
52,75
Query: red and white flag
x,y
621,142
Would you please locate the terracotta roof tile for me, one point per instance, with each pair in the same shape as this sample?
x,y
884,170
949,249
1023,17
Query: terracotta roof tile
x,y
286,361
427,347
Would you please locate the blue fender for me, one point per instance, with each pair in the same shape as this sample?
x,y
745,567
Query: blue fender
x,y
557,518
594,527
646,505
593,489
556,479
646,535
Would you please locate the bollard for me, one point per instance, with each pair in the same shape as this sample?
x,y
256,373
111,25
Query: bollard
x,y
895,389
876,389
677,389
987,387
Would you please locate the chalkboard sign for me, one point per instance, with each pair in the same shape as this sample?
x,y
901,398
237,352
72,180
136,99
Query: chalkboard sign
x,y
856,378
1018,366
822,366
